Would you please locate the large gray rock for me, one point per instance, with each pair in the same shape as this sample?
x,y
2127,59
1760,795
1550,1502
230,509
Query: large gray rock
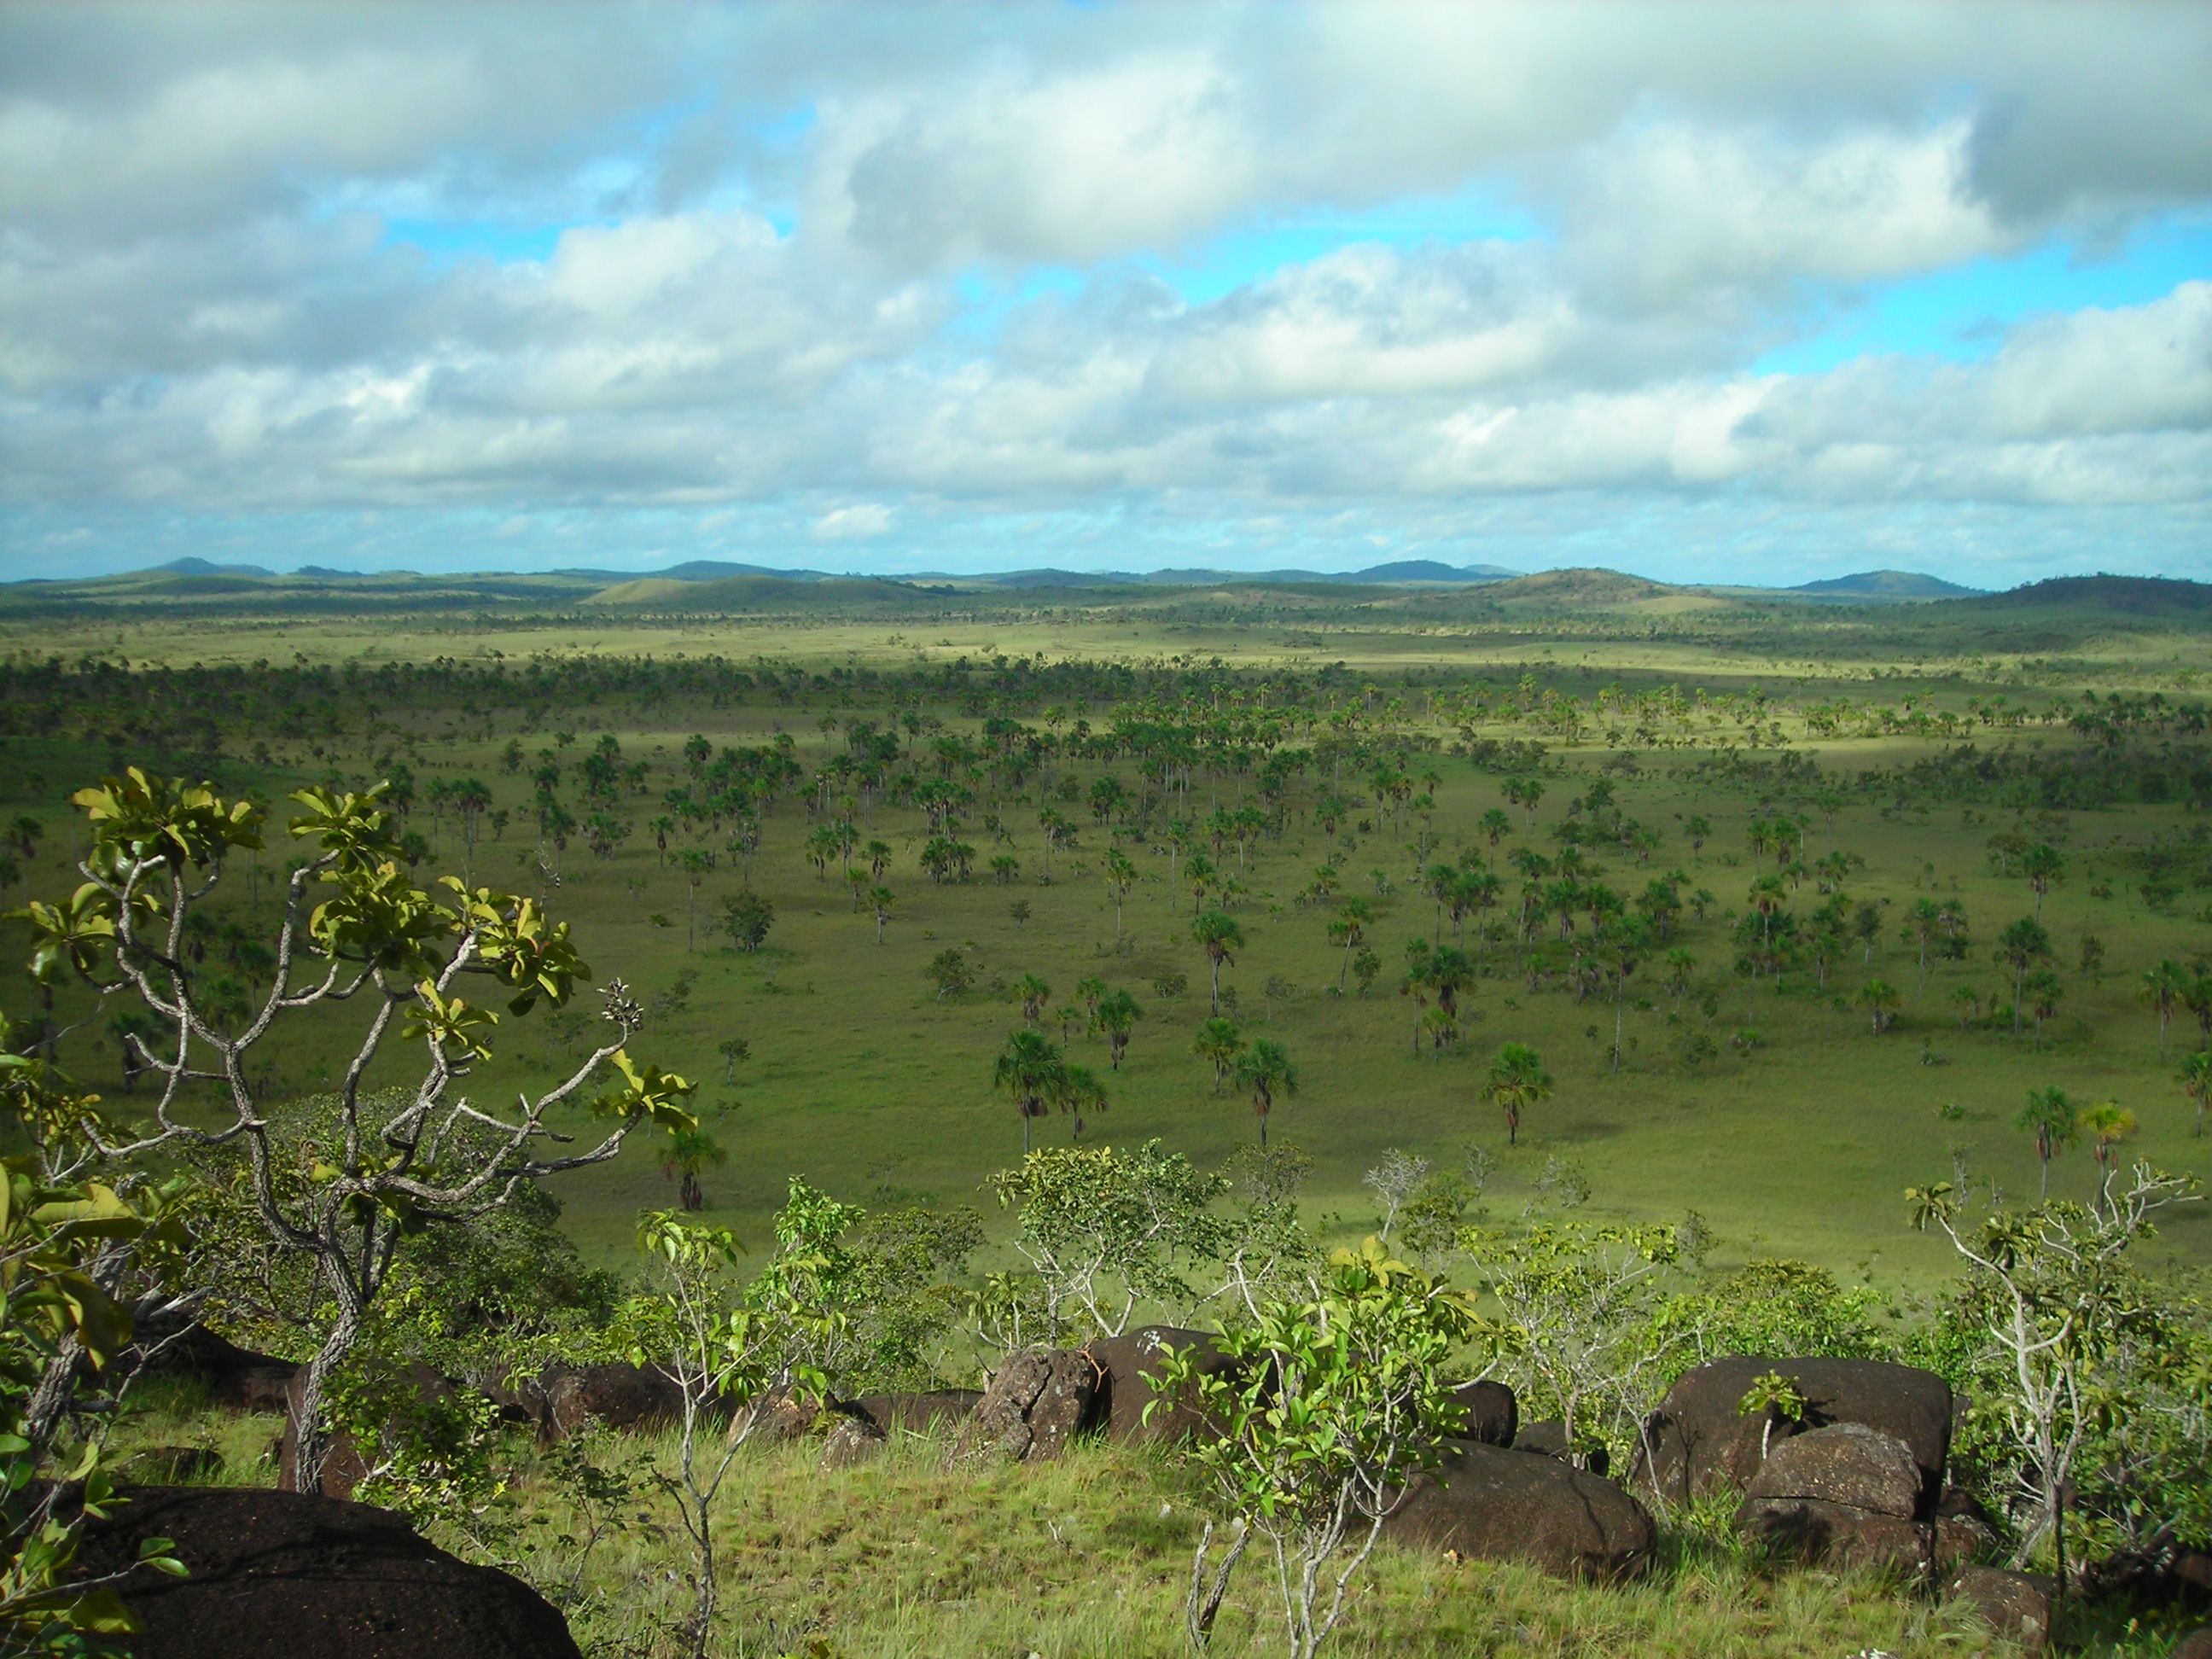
x,y
1700,1441
279,1576
1127,1364
1845,1463
2197,1645
1496,1505
1038,1401
2013,1605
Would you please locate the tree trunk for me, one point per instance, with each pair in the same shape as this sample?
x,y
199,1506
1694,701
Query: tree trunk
x,y
311,1441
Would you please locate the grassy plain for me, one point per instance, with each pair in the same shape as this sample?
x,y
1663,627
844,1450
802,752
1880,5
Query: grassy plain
x,y
865,1082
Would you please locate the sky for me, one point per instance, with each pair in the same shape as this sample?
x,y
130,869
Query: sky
x,y
1756,293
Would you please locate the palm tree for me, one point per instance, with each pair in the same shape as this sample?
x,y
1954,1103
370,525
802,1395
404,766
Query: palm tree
x,y
1079,1091
2041,865
1032,992
1879,999
1218,1042
1217,932
687,1153
1120,876
1267,1070
1117,1015
2106,1124
694,863
1030,1071
2196,1082
2162,989
1922,923
881,899
1517,1080
1349,929
2023,945
2050,1116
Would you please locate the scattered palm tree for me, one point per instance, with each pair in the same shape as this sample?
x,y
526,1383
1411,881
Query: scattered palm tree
x,y
1030,1071
1218,935
1880,999
881,900
1117,1015
687,1153
2050,1118
1080,1091
1032,992
2106,1124
1218,1042
1265,1070
1517,1081
2196,1082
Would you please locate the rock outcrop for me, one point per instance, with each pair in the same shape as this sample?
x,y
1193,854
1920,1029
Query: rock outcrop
x,y
1126,1363
276,1576
1038,1401
1493,1415
1701,1442
2015,1605
1848,1495
1492,1504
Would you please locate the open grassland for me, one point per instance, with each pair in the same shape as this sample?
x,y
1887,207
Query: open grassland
x,y
1798,1142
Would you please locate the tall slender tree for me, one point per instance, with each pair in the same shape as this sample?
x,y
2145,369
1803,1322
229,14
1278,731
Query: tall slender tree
x,y
1517,1081
1265,1068
1217,934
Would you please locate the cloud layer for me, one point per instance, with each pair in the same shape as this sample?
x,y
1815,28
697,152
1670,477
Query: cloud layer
x,y
931,281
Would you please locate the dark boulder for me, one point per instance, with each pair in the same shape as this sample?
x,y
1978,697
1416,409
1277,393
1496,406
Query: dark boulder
x,y
1125,1366
1547,1436
852,1439
2197,1645
237,1377
916,1414
278,1576
1838,1535
1493,1415
562,1399
1037,1402
1495,1504
1965,1532
1700,1441
2015,1605
1846,1463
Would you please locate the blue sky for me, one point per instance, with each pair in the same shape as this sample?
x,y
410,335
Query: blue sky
x,y
1722,293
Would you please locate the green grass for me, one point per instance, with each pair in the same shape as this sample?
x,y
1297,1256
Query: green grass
x,y
865,1083
1087,1558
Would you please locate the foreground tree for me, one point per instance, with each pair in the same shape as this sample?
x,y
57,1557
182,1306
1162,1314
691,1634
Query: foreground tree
x,y
1106,1230
1338,1401
2053,1305
391,950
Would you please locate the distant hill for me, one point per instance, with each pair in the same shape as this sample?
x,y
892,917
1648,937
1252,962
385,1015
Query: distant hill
x,y
193,567
1581,587
1888,585
2142,595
